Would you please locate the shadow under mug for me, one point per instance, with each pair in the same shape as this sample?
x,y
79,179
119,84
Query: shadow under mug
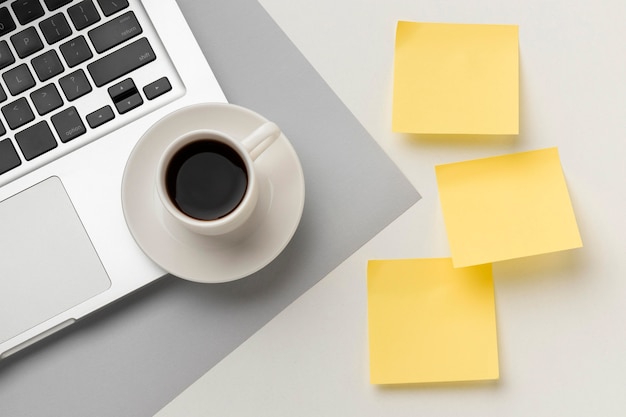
x,y
207,180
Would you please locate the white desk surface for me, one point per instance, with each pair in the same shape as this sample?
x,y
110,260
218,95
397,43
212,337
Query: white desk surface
x,y
560,317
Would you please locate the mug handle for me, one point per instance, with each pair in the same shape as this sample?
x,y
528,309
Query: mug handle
x,y
261,138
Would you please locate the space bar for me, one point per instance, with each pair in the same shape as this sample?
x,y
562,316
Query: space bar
x,y
121,62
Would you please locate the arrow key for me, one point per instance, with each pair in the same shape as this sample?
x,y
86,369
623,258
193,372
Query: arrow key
x,y
100,117
125,96
128,103
122,90
155,89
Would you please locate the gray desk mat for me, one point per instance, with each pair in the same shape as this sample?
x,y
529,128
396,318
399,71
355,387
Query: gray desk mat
x,y
131,359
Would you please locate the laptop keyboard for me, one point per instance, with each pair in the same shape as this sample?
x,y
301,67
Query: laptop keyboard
x,y
67,72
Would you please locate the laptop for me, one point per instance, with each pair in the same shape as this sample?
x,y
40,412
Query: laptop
x,y
81,81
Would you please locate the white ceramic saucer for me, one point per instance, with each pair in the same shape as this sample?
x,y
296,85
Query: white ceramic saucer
x,y
205,258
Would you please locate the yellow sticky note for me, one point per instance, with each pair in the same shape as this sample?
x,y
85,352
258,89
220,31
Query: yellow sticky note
x,y
506,207
456,79
430,322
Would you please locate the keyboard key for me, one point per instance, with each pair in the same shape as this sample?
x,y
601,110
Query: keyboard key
x,y
3,96
46,99
68,124
47,65
76,51
7,24
110,7
75,85
55,28
115,32
122,89
26,42
100,117
121,62
17,113
155,89
83,14
125,96
9,158
18,79
129,103
27,10
2,129
55,4
6,56
36,140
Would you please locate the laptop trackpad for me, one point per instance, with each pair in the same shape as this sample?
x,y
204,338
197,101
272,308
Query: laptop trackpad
x,y
47,262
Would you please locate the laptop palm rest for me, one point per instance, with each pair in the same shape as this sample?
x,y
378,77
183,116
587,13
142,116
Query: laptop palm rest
x,y
47,262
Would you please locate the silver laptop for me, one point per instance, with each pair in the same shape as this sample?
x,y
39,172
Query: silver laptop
x,y
81,81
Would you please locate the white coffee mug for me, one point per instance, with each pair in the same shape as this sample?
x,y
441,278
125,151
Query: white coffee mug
x,y
207,180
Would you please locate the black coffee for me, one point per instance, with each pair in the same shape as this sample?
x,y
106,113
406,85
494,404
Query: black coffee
x,y
206,179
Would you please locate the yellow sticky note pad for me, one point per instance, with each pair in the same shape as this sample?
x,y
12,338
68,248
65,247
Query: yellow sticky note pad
x,y
430,322
506,207
456,79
